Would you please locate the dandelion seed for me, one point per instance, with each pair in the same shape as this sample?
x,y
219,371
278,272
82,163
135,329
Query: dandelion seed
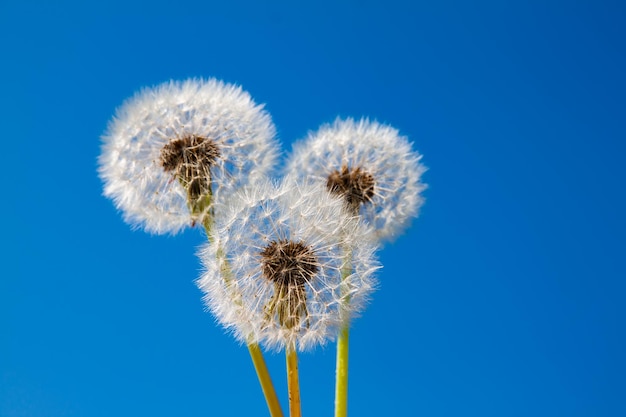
x,y
279,281
173,150
370,165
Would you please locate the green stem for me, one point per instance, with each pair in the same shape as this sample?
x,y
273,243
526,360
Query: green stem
x,y
341,383
341,367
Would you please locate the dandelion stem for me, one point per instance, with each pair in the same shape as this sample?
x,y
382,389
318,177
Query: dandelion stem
x,y
267,386
265,380
293,382
341,385
341,368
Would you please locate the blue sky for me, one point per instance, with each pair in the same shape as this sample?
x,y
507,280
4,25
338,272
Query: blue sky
x,y
505,297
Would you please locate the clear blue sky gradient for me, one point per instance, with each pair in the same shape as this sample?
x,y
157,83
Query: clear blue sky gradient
x,y
505,298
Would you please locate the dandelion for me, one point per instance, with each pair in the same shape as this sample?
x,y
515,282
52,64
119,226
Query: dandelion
x,y
378,175
276,274
278,279
172,150
370,165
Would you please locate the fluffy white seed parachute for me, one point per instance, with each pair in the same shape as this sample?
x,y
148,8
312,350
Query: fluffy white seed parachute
x,y
284,262
170,146
370,165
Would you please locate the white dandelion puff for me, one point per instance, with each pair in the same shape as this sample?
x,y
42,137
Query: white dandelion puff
x,y
273,275
371,165
172,150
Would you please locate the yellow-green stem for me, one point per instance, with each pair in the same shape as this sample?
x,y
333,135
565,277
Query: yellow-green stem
x,y
341,368
256,355
341,383
293,382
265,380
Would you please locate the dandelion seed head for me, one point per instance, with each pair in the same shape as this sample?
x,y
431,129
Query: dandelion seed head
x,y
371,165
353,184
168,146
289,266
189,153
285,262
273,273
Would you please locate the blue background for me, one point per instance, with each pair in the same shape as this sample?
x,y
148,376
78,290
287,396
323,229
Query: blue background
x,y
505,298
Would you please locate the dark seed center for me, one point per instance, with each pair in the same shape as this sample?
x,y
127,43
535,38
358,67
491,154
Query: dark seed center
x,y
355,185
288,263
189,155
190,159
289,266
